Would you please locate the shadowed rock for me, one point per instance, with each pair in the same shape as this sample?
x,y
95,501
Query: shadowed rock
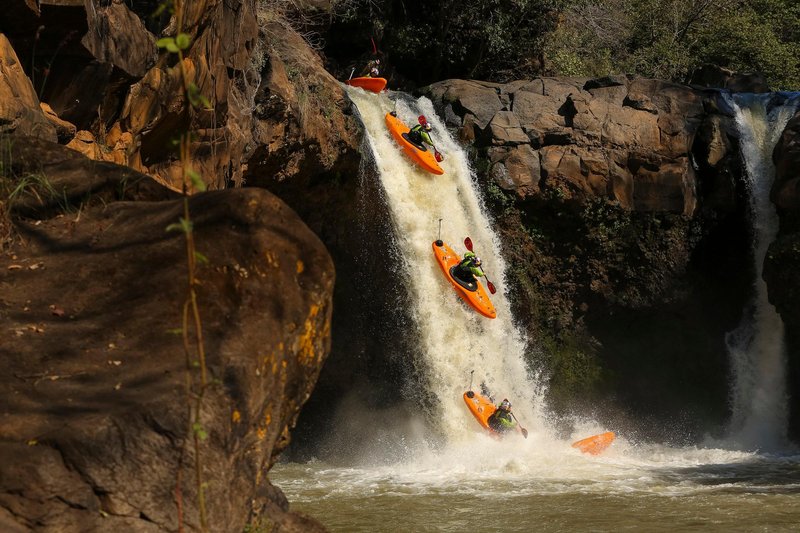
x,y
95,427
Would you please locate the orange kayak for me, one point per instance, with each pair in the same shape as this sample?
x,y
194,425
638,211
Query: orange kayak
x,y
472,293
481,408
420,155
595,444
374,85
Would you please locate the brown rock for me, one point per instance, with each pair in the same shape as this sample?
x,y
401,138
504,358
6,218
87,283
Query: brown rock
x,y
516,168
64,130
505,129
117,36
537,113
87,444
19,105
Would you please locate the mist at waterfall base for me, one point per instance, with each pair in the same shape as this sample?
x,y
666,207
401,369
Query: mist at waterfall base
x,y
427,465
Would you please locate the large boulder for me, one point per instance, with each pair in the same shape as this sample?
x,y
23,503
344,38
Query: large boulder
x,y
97,420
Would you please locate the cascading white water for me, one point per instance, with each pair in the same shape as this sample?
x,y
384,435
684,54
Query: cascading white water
x,y
454,338
474,481
757,346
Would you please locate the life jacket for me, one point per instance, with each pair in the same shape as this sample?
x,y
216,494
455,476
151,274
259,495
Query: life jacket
x,y
415,134
501,420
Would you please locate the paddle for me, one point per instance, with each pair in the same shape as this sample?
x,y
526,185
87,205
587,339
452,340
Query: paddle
x,y
522,429
468,244
438,155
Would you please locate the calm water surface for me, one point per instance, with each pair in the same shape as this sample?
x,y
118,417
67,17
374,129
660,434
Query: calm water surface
x,y
626,489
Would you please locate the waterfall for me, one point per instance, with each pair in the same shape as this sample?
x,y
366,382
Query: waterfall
x,y
756,347
454,339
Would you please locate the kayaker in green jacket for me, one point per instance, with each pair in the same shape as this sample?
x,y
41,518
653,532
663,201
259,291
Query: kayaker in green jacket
x,y
421,133
502,420
469,268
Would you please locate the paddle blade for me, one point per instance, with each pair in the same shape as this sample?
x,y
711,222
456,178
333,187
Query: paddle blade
x,y
524,432
491,286
438,155
468,243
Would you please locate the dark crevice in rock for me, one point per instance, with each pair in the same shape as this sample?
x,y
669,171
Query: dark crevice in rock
x,y
568,111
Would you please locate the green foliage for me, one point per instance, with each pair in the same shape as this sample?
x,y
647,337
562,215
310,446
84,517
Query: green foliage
x,y
669,39
183,225
435,39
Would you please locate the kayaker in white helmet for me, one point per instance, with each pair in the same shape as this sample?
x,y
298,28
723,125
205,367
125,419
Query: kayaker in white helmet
x,y
371,70
469,268
502,420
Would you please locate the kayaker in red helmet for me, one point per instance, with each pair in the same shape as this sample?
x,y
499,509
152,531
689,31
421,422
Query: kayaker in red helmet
x,y
502,420
421,133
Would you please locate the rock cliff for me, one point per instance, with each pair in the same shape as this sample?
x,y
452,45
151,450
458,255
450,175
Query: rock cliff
x,y
622,214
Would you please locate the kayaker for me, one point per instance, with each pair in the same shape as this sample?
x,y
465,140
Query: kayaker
x,y
371,70
502,420
469,268
421,133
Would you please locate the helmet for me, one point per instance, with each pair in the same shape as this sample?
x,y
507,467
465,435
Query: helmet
x,y
505,405
422,120
477,261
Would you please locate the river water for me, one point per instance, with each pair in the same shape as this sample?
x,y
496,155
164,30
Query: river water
x,y
383,472
498,486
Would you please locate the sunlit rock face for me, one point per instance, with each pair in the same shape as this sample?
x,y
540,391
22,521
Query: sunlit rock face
x,y
268,106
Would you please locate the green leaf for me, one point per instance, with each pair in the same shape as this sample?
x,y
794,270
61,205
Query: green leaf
x,y
182,225
172,47
199,431
197,180
183,41
196,98
200,258
165,42
175,331
186,225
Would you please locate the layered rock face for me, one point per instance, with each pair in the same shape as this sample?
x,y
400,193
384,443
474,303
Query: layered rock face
x,y
274,108
629,141
95,425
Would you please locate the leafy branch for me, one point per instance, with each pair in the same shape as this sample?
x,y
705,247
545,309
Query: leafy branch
x,y
194,346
